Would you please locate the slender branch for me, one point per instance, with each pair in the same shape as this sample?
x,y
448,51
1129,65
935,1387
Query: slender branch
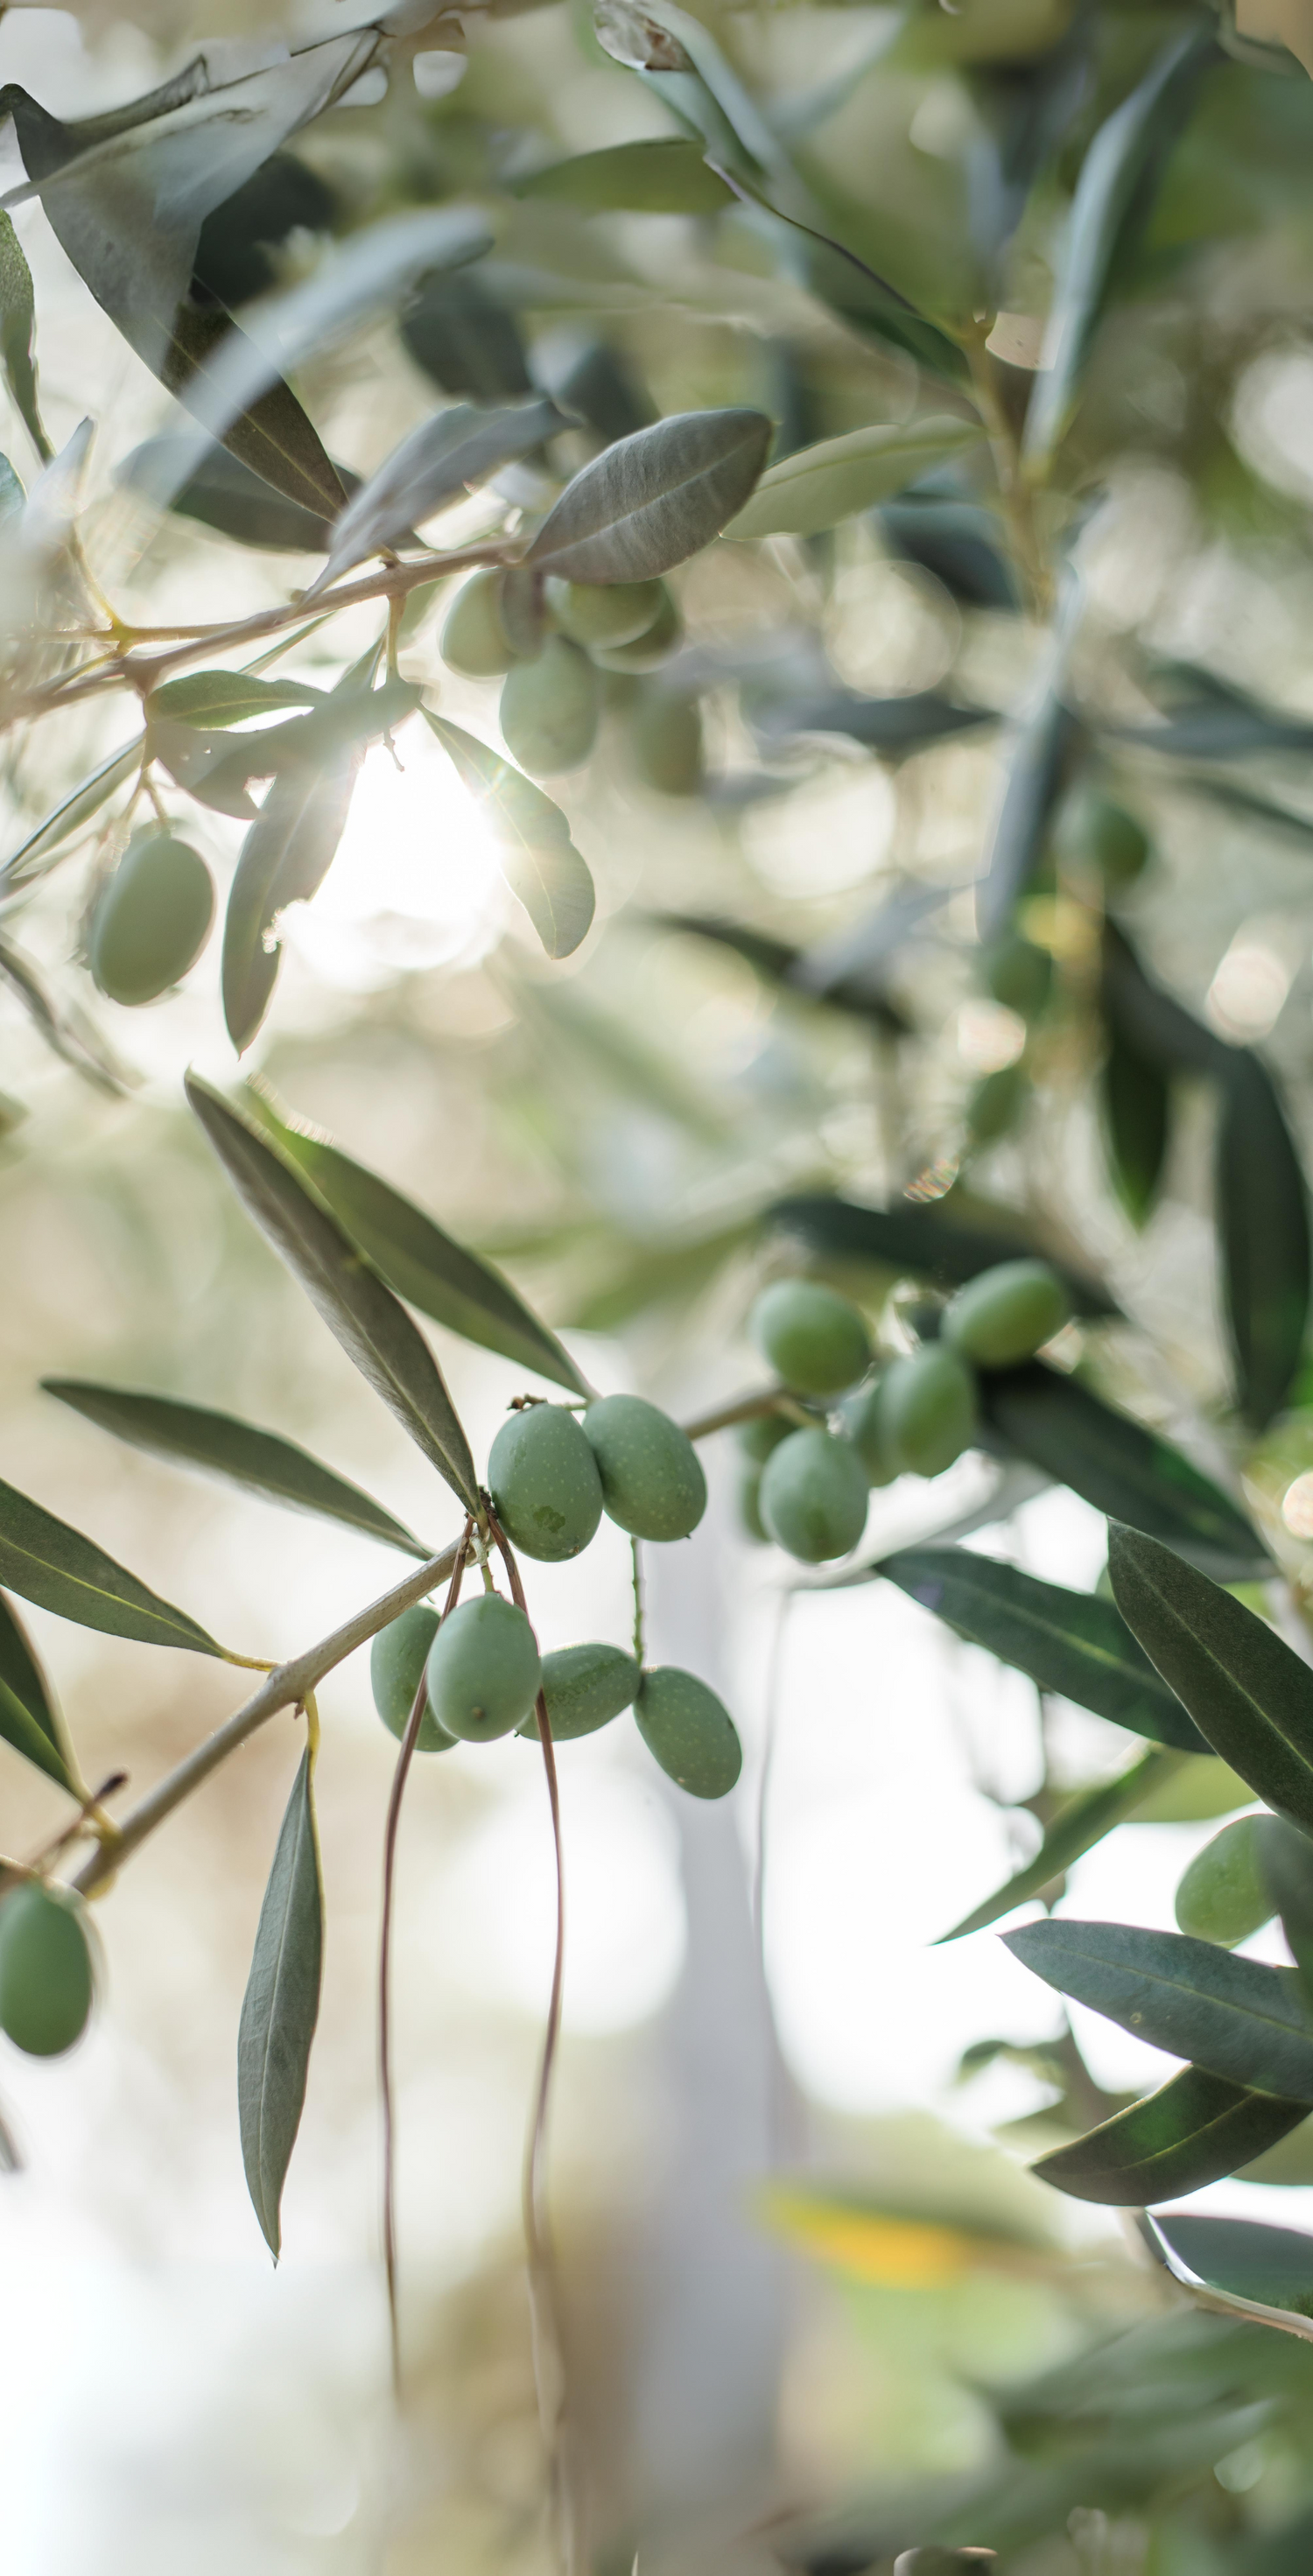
x,y
747,1408
1014,492
285,1687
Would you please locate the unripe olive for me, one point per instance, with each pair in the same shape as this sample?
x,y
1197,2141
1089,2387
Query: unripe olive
x,y
927,1409
762,1433
666,734
994,1101
815,1339
1094,830
45,1970
814,1495
605,613
689,1732
474,640
652,1481
151,919
1223,1895
862,1424
584,1687
549,709
1019,975
483,1669
396,1665
544,1482
1006,1314
749,1500
653,646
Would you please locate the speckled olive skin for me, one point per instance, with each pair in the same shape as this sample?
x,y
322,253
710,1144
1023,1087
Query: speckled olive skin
x,y
483,1670
814,1493
585,1687
544,1483
396,1661
652,1481
689,1732
813,1338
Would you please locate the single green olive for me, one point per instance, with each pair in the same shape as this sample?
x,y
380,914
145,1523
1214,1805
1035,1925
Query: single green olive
x,y
1006,1314
861,1418
814,1493
584,1687
605,613
994,1102
544,1482
396,1668
763,1432
815,1339
665,731
151,918
689,1732
1093,830
651,647
483,1669
1019,975
652,1480
474,640
1223,1895
549,709
927,1410
45,1970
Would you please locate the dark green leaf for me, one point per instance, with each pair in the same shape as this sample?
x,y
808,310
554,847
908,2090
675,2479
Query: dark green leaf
x,y
1253,808
450,453
1159,1028
465,340
27,1710
1076,1828
373,1329
47,1562
1136,1113
35,854
923,1240
1120,1467
259,1461
219,698
284,859
412,1253
1037,773
65,1029
280,2009
1231,2015
667,176
650,501
536,855
1245,1688
955,540
1194,2131
1069,1642
1114,194
222,493
17,322
272,434
797,970
1272,2265
894,727
1262,1217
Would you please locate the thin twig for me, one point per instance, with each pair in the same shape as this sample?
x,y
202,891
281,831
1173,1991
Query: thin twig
x,y
399,1777
747,1408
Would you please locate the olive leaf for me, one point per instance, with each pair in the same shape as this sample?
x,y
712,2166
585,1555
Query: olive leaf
x,y
422,1263
201,480
798,970
1077,1827
284,859
1270,2266
1036,776
448,454
65,1029
893,727
1136,1099
1193,2131
816,487
373,1328
650,501
1209,718
281,2007
1248,1692
1071,1643
666,175
464,338
28,1717
957,541
1262,1217
219,698
47,1562
17,323
260,1462
536,855
1285,1861
925,1240
1231,2015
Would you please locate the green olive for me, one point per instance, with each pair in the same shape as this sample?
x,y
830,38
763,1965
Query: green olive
x,y
861,1419
927,1410
689,1732
764,1432
815,1339
396,1668
1223,1895
814,1494
549,709
584,1687
483,1669
666,734
650,648
1094,831
45,1970
1019,975
1007,1313
151,919
605,613
994,1102
544,1482
474,640
749,1502
652,1481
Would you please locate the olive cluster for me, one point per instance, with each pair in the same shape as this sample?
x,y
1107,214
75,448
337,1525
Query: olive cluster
x,y
565,655
151,917
806,1482
552,1474
45,1968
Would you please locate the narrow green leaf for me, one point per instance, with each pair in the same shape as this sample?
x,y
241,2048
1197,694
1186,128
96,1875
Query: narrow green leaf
x,y
449,454
219,698
1161,1030
666,176
926,1241
17,325
285,857
273,433
422,1263
816,487
1076,1829
47,1562
1232,2016
536,855
1245,1688
1068,1642
280,2009
893,727
1136,1098
1119,1467
363,1315
650,501
28,1719
1271,2265
221,493
35,854
1195,2130
1262,1219
1037,773
221,1445
1285,1860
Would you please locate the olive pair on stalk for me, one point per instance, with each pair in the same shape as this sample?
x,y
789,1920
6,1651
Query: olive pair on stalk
x,y
807,1485
556,674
